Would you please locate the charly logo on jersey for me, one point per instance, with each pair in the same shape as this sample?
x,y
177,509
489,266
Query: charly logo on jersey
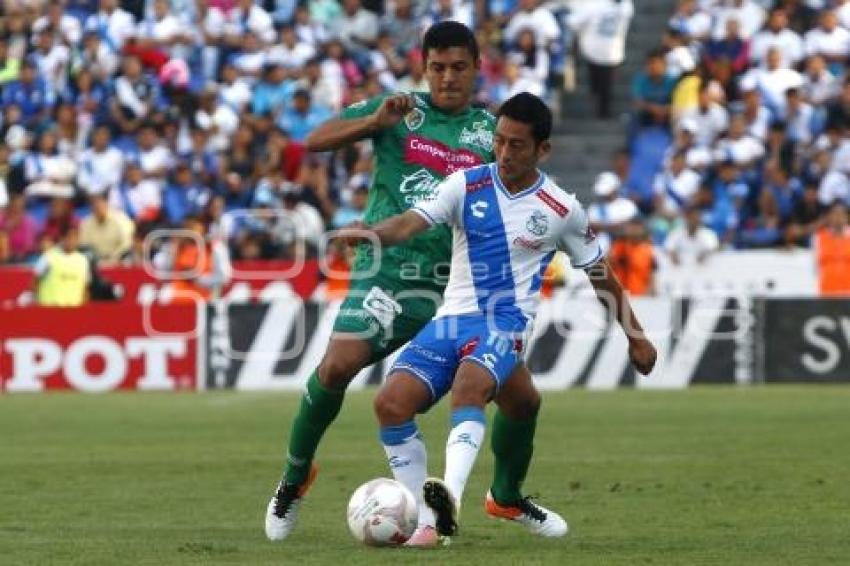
x,y
537,223
414,119
418,186
480,136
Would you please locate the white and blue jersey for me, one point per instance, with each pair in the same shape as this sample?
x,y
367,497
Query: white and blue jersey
x,y
502,245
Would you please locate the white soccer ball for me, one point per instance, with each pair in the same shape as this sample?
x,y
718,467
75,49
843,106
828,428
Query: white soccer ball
x,y
382,512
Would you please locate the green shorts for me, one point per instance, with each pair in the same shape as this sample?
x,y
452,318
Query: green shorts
x,y
389,307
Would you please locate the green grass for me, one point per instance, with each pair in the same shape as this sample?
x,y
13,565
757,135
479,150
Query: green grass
x,y
704,476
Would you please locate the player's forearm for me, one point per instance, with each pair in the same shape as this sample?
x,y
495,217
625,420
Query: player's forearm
x,y
399,228
610,293
338,133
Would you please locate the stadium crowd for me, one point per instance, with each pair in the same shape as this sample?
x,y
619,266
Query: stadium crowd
x,y
123,117
119,118
740,134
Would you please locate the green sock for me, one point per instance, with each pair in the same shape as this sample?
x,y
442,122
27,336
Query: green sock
x,y
319,408
512,443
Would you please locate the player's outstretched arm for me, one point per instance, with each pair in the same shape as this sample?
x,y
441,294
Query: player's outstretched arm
x,y
610,293
389,232
340,132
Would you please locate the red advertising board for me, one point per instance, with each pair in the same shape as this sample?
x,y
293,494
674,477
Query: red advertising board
x,y
251,280
99,348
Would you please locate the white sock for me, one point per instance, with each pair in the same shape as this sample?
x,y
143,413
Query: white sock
x,y
462,447
408,460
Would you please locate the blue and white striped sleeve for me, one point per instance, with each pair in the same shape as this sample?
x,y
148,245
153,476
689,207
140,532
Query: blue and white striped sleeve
x,y
578,240
444,205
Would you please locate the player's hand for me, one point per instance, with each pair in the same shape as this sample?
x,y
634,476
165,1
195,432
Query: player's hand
x,y
355,233
392,110
643,354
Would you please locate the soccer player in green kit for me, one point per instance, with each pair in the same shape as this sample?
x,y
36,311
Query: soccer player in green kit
x,y
419,139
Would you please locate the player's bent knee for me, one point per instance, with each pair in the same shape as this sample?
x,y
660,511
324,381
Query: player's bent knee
x,y
392,409
342,362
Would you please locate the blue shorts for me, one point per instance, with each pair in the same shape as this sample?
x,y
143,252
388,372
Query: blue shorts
x,y
436,352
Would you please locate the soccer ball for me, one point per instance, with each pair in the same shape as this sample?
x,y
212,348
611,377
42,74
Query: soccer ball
x,y
382,512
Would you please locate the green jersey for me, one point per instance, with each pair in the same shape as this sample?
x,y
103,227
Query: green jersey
x,y
411,158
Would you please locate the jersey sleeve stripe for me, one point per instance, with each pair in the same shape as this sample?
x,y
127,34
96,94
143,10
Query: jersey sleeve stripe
x,y
428,218
591,262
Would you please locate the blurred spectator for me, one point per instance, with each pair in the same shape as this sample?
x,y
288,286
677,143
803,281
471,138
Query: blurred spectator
x,y
820,85
748,13
531,15
248,19
602,27
799,117
62,273
356,28
216,118
777,35
354,206
305,222
10,66
47,172
652,91
738,145
533,60
291,52
107,231
830,41
632,259
200,266
689,19
801,16
711,117
112,24
67,28
675,187
303,116
20,228
137,197
95,57
774,79
135,96
832,248
838,112
60,217
402,26
691,244
31,94
184,196
610,213
101,165
53,60
414,81
721,201
728,58
442,10
756,115
806,218
273,92
681,59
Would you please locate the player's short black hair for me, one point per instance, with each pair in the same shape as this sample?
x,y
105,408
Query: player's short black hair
x,y
529,109
445,34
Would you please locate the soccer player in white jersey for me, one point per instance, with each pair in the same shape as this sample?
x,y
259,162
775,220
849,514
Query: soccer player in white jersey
x,y
508,219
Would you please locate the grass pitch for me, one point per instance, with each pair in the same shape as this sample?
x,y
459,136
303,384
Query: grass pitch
x,y
703,476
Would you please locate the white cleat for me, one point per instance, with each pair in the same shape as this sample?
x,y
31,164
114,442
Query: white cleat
x,y
536,518
282,511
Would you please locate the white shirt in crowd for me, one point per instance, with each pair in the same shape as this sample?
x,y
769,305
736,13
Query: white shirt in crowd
x,y
118,26
613,212
710,123
743,150
258,21
773,84
291,58
223,120
236,95
541,20
690,249
602,28
53,66
100,171
787,41
70,28
155,159
750,17
675,191
140,199
821,88
831,44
